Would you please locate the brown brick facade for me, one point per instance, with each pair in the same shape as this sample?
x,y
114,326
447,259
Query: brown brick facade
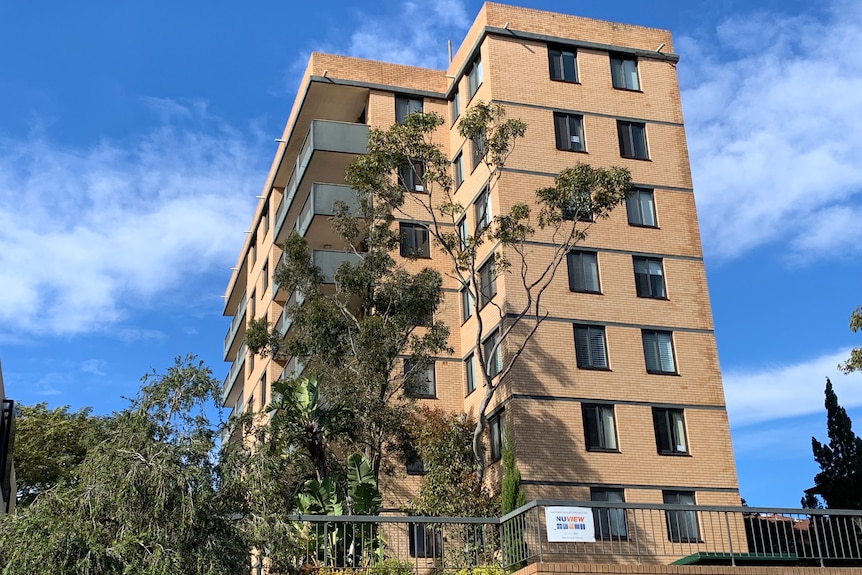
x,y
542,400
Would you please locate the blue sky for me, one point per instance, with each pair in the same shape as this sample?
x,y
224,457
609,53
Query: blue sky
x,y
134,138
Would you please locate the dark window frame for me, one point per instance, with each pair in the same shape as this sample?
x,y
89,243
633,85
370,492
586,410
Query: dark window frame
x,y
586,353
682,525
412,244
487,283
568,123
466,305
495,436
455,107
406,105
488,350
425,541
576,262
477,150
470,374
458,170
653,340
635,208
429,372
610,523
482,210
669,424
474,77
558,59
646,284
412,177
596,435
633,140
622,66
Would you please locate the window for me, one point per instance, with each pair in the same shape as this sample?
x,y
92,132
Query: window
x,y
264,218
590,347
482,210
252,250
264,389
493,353
462,232
420,382
669,431
569,130
264,279
412,176
458,169
563,64
610,523
640,208
477,146
415,241
416,467
405,105
632,140
649,277
470,374
252,304
495,436
466,304
599,428
681,525
624,72
425,540
583,272
487,283
474,77
455,106
658,351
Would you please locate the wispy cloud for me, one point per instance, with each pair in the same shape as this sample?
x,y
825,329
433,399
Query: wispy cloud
x,y
771,108
85,234
94,366
780,392
397,37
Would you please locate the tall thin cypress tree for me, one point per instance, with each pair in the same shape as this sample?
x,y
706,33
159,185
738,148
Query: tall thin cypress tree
x,y
839,482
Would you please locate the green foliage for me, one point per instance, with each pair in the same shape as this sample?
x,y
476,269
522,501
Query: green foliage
x,y
839,482
363,492
854,362
450,487
50,445
147,498
511,494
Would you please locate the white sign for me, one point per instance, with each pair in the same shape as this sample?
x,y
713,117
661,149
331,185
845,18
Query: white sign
x,y
567,524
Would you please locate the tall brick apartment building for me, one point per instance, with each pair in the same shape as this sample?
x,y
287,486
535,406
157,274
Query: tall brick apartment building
x,y
619,396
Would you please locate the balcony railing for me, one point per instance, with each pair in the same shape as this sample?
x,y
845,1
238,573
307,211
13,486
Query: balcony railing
x,y
592,532
323,136
285,320
235,369
321,202
236,322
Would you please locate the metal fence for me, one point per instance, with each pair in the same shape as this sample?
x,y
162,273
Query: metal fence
x,y
623,533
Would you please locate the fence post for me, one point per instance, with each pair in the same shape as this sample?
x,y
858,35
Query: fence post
x,y
539,533
729,539
817,539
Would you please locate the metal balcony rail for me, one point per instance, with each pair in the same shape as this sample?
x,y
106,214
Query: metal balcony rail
x,y
238,318
235,369
627,533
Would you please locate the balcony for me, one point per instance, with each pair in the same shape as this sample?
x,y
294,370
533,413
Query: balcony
x,y
328,261
313,220
233,374
285,321
237,324
327,150
294,368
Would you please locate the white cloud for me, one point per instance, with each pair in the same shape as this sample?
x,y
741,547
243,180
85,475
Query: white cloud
x,y
416,34
85,234
772,118
94,366
774,393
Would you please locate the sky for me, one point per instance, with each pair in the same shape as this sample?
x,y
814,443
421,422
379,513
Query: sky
x,y
134,137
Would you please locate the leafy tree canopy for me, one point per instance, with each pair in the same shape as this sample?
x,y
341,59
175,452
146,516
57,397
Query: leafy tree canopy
x,y
839,482
854,362
50,445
